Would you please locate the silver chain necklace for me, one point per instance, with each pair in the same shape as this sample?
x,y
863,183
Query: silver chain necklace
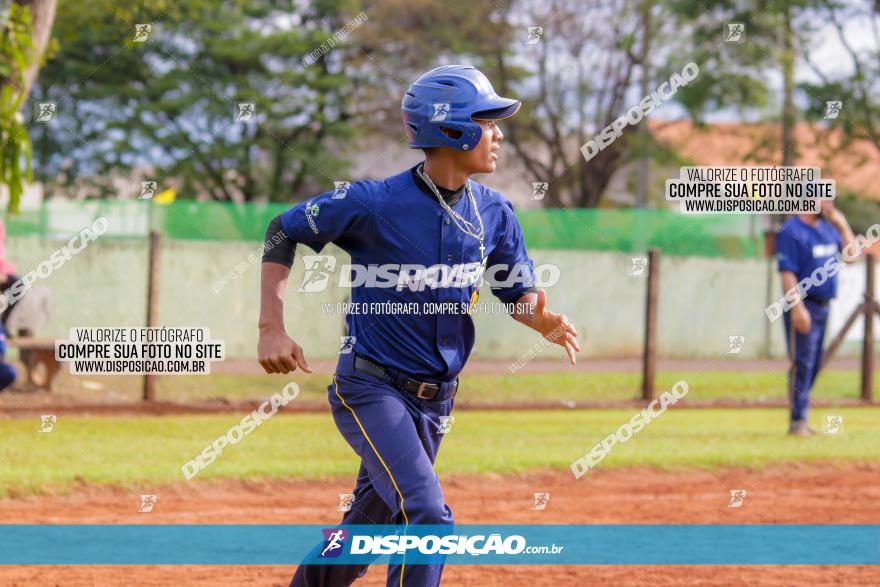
x,y
461,222
465,226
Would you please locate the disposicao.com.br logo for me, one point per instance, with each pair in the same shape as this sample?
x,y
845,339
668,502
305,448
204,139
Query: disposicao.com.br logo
x,y
430,544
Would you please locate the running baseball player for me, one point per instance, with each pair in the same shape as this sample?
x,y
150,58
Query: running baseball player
x,y
397,373
805,243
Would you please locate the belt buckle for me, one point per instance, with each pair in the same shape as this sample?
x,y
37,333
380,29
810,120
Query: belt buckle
x,y
420,393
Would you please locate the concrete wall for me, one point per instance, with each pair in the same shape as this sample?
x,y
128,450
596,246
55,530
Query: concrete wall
x,y
702,301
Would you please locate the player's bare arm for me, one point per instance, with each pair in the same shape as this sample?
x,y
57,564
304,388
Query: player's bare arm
x,y
838,220
276,351
531,310
799,315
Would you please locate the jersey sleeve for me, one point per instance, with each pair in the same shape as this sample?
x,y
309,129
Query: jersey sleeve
x,y
340,217
788,251
517,274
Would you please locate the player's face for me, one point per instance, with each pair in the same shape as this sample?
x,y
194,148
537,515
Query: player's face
x,y
485,155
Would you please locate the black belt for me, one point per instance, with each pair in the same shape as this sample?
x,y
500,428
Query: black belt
x,y
418,387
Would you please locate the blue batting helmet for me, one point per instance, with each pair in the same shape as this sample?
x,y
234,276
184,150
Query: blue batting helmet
x,y
451,97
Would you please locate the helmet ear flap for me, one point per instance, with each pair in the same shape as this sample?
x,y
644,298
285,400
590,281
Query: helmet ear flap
x,y
472,137
466,136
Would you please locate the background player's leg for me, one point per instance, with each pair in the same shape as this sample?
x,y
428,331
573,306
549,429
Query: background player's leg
x,y
7,375
803,372
820,321
7,371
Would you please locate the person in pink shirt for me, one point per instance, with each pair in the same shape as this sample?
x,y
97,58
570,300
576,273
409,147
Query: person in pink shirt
x,y
6,268
8,274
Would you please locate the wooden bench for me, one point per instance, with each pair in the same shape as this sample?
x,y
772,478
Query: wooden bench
x,y
38,357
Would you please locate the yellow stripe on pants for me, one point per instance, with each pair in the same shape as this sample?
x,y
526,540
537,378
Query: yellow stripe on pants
x,y
381,460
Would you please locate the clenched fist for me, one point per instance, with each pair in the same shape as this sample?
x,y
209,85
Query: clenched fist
x,y
278,353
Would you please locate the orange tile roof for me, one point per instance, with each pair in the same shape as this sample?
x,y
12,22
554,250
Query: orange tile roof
x,y
856,167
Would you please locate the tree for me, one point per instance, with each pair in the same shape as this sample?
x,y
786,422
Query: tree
x,y
594,64
165,106
858,91
24,39
403,39
778,36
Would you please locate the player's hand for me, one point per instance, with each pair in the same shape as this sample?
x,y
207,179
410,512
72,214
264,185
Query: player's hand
x,y
278,353
800,319
555,327
829,211
832,214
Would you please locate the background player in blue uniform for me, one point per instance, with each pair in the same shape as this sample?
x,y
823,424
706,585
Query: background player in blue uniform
x,y
397,373
804,243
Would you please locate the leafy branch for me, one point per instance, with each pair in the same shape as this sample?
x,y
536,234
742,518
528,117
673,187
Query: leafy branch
x,y
17,52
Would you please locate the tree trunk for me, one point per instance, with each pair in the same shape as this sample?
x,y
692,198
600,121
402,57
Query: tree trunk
x,y
594,177
42,16
788,108
644,163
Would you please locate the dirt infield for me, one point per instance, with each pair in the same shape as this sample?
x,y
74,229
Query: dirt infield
x,y
793,493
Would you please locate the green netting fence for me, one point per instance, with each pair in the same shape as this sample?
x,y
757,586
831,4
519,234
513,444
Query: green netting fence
x,y
622,231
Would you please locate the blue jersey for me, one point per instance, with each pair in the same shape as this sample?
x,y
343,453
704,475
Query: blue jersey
x,y
801,248
389,224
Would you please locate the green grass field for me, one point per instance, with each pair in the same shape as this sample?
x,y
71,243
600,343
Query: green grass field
x,y
486,388
152,449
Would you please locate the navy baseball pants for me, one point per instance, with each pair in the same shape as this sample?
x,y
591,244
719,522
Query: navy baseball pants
x,y
808,356
397,436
